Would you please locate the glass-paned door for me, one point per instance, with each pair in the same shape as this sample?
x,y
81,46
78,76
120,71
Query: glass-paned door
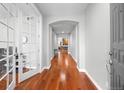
x,y
28,50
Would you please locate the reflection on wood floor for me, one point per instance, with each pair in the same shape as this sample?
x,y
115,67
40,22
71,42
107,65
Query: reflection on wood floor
x,y
3,83
62,75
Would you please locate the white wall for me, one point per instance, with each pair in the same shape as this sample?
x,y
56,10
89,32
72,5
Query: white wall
x,y
73,43
45,39
54,42
97,42
64,35
49,20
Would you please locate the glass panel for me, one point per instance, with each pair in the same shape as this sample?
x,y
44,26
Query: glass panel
x,y
3,68
3,33
26,48
10,48
10,63
26,69
26,62
32,56
3,83
3,14
32,47
10,77
11,8
33,39
29,48
33,64
11,22
29,44
11,35
29,62
3,50
25,28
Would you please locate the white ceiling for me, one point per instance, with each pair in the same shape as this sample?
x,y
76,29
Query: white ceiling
x,y
63,27
61,9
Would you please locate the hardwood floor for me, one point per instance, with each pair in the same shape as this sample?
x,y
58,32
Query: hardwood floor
x,y
62,75
3,83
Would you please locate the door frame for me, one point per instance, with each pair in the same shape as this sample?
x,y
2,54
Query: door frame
x,y
50,55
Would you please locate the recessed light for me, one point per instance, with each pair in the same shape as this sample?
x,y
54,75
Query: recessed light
x,y
63,32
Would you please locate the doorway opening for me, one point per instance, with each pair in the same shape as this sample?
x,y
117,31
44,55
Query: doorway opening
x,y
64,34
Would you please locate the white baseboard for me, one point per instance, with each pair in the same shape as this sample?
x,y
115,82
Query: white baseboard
x,y
45,67
81,70
48,66
73,57
94,82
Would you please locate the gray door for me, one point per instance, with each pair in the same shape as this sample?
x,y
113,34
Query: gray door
x,y
117,46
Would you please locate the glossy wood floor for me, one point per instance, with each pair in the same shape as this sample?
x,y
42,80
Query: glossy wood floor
x,y
62,75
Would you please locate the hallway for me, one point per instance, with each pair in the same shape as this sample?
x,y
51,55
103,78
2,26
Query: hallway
x,y
56,46
62,74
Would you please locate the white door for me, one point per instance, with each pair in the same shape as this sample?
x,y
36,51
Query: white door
x,y
7,46
29,50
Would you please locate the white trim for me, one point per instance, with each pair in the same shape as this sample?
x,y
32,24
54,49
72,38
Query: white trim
x,y
46,67
73,57
43,69
49,65
52,57
90,77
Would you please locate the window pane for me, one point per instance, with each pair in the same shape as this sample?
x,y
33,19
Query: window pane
x,y
10,62
26,48
10,48
11,21
3,14
26,62
3,50
11,35
10,77
3,66
3,33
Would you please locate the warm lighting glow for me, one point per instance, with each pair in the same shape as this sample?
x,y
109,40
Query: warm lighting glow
x,y
66,62
62,76
59,57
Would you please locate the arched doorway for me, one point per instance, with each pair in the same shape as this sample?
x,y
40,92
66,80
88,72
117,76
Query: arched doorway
x,y
64,33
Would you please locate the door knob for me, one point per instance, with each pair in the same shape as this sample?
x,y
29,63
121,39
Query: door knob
x,y
108,69
110,53
110,62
